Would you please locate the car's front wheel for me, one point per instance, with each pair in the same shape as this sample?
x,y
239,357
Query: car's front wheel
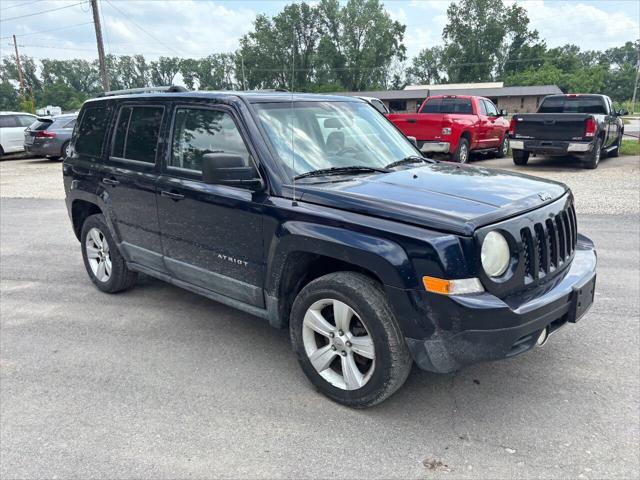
x,y
105,266
347,340
503,149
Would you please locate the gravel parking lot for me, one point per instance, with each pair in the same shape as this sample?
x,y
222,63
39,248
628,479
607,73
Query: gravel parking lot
x,y
157,382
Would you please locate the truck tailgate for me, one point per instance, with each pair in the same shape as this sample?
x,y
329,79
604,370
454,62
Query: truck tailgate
x,y
423,126
550,126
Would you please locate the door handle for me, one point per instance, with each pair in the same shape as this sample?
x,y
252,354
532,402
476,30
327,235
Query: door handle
x,y
411,120
110,181
172,195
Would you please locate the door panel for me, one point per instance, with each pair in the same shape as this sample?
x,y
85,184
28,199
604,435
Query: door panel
x,y
211,234
129,178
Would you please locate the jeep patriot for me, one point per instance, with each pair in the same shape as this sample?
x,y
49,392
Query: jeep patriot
x,y
315,213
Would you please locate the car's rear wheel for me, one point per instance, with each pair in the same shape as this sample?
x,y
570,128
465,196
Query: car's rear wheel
x,y
65,151
593,158
105,266
461,154
520,157
347,340
503,150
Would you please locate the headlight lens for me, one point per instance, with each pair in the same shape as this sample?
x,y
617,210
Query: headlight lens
x,y
495,254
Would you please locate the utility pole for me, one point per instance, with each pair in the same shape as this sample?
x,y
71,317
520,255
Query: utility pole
x,y
19,65
635,88
101,61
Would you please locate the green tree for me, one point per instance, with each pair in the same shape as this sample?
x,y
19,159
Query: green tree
x,y
427,67
360,42
79,75
9,99
483,37
215,72
163,71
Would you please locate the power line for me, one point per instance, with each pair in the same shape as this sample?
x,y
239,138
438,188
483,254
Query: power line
x,y
39,13
141,28
20,5
47,31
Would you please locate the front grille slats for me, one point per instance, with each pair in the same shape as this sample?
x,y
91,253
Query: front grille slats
x,y
548,245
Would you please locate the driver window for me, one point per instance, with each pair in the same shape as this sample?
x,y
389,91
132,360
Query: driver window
x,y
198,131
492,111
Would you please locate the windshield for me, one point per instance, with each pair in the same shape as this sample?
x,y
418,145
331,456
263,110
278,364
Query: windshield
x,y
309,136
573,105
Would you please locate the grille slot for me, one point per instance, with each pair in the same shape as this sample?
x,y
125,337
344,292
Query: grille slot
x,y
548,245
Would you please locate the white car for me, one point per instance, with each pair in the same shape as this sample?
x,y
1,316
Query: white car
x,y
12,126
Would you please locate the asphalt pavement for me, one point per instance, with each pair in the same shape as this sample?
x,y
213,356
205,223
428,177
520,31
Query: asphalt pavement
x,y
157,382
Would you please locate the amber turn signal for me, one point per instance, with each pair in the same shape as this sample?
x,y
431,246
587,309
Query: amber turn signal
x,y
452,287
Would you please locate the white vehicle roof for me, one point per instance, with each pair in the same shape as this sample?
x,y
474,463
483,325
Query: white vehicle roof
x,y
17,113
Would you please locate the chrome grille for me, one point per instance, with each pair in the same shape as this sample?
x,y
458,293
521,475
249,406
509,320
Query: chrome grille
x,y
549,245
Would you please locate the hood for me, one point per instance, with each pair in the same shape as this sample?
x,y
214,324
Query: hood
x,y
442,196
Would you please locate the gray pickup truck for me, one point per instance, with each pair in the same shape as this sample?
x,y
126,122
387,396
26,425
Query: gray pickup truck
x,y
582,125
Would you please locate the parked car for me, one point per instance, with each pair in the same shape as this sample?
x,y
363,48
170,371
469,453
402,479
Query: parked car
x,y
456,125
50,136
338,229
376,103
582,125
12,125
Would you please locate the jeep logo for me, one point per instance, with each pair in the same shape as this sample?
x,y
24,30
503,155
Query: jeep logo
x,y
544,196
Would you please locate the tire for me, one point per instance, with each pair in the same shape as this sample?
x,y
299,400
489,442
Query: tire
x,y
503,150
385,362
616,151
592,160
520,157
95,233
54,158
1,151
461,154
63,150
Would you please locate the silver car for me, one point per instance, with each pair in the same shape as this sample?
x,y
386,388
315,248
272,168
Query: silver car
x,y
50,136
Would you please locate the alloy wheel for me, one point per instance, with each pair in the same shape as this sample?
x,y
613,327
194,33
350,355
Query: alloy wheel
x,y
505,146
464,153
338,344
67,150
98,255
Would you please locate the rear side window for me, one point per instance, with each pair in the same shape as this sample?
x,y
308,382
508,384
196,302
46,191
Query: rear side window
x,y
91,132
432,106
25,120
8,121
70,124
573,105
137,132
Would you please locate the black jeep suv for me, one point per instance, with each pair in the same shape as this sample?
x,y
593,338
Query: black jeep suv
x,y
317,214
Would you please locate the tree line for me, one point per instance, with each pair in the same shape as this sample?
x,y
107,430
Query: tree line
x,y
332,47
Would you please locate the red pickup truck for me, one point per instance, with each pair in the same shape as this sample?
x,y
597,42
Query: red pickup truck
x,y
456,125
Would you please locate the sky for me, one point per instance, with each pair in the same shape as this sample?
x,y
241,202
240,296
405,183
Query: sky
x,y
62,29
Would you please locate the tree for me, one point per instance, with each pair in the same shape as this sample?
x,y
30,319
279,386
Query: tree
x,y
9,99
482,37
427,67
360,41
163,71
79,75
215,72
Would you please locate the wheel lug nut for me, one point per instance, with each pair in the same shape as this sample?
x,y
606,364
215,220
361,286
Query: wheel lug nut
x,y
340,332
343,353
332,334
348,344
333,347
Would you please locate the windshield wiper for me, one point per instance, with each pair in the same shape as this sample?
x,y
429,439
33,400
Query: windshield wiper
x,y
409,159
340,170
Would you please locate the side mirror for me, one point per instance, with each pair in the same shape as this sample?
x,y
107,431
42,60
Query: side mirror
x,y
502,113
622,112
229,169
413,140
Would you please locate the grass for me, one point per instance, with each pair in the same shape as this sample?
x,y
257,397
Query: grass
x,y
630,147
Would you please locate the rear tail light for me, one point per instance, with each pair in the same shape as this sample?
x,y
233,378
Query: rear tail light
x,y
512,126
589,127
45,134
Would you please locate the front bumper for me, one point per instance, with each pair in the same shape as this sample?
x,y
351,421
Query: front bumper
x,y
434,147
484,327
552,147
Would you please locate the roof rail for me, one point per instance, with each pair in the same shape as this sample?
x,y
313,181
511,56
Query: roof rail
x,y
131,91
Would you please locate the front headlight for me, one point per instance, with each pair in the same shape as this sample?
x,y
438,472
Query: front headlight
x,y
495,254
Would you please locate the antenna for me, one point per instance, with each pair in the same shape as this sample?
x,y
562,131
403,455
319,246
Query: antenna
x,y
294,203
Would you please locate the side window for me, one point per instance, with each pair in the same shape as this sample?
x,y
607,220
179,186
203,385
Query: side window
x,y
432,106
492,111
25,120
91,132
199,131
70,124
483,107
136,134
8,121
